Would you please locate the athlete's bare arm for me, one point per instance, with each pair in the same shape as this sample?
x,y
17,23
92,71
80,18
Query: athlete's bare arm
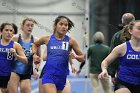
x,y
79,55
19,54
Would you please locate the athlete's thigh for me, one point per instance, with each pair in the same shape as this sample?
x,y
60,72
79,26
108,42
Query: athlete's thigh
x,y
3,90
0,90
14,78
67,88
25,86
121,87
59,91
122,90
13,83
49,88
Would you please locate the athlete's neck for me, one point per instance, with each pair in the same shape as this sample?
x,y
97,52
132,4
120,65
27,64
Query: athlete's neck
x,y
135,45
26,37
5,42
59,37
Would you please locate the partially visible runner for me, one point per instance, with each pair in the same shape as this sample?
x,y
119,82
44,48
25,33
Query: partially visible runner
x,y
128,77
21,73
9,52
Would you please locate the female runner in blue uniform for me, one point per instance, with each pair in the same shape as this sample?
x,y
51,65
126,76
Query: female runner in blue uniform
x,y
67,88
9,51
59,46
128,78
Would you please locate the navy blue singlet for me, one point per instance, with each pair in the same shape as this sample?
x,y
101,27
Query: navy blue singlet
x,y
19,67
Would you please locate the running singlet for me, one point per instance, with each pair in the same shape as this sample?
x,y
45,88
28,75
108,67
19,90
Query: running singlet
x,y
6,59
57,56
130,66
19,67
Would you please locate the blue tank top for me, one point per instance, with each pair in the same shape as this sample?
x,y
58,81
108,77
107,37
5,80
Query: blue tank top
x,y
130,66
6,59
19,67
57,56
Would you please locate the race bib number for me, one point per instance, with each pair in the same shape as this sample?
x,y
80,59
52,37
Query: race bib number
x,y
65,45
10,56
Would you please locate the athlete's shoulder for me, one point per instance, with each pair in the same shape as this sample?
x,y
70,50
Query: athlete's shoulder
x,y
121,46
71,39
44,39
15,38
16,43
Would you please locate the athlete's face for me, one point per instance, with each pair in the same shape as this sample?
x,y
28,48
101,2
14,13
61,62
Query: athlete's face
x,y
7,32
62,26
136,30
28,27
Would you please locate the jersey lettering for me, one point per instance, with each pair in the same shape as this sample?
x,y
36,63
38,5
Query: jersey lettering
x,y
132,56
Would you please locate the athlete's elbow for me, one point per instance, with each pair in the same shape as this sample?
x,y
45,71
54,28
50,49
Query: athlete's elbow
x,y
82,59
